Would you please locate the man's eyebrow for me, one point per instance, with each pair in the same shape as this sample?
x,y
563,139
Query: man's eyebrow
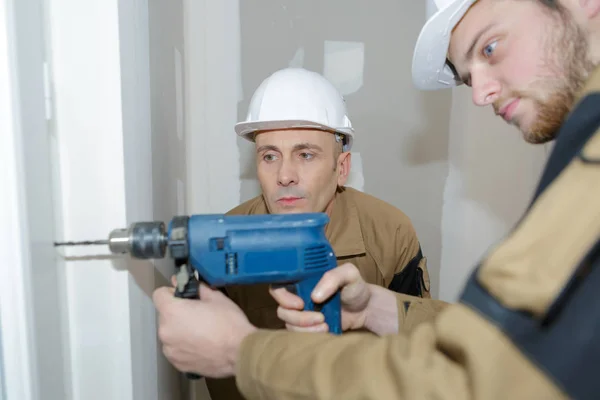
x,y
266,147
307,146
297,147
471,49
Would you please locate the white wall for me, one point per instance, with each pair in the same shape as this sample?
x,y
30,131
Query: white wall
x,y
89,134
232,46
140,180
212,90
168,157
492,176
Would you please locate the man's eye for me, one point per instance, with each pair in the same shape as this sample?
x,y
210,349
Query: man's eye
x,y
489,49
269,157
306,156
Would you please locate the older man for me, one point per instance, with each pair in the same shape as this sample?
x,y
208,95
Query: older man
x,y
528,322
303,136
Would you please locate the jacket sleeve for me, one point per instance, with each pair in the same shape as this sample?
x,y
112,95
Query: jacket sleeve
x,y
438,360
413,311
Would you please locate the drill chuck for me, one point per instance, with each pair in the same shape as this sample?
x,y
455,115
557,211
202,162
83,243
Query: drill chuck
x,y
143,240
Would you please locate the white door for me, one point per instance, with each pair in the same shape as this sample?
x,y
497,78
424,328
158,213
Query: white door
x,y
91,116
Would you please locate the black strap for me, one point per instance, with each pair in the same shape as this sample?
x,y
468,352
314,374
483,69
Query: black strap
x,y
566,344
410,280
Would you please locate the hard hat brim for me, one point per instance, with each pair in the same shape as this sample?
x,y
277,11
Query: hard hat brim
x,y
247,130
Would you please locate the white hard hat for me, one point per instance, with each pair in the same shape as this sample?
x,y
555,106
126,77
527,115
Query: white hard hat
x,y
430,67
297,98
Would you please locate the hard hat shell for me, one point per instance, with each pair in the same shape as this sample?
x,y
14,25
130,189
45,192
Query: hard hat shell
x,y
297,98
431,69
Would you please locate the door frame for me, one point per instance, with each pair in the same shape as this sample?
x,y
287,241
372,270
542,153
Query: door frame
x,y
17,341
94,123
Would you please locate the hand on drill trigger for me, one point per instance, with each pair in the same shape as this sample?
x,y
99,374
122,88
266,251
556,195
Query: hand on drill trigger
x,y
355,297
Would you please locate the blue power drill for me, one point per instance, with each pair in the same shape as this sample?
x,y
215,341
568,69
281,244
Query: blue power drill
x,y
289,250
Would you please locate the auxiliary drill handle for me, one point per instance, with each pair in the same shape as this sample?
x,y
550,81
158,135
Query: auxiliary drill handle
x,y
188,287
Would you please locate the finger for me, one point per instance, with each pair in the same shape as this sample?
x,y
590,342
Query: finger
x,y
315,328
300,318
207,293
174,356
161,296
333,280
286,299
174,280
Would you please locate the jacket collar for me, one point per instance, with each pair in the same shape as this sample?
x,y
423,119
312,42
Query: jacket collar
x,y
592,84
344,230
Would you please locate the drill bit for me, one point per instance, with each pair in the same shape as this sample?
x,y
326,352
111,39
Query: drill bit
x,y
142,240
82,243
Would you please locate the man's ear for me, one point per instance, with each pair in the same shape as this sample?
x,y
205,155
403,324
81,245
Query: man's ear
x,y
591,8
344,163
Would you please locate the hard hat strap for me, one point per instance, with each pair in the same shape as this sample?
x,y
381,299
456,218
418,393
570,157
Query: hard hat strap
x,y
339,137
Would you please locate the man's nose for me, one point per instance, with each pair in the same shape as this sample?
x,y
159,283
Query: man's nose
x,y
486,88
287,174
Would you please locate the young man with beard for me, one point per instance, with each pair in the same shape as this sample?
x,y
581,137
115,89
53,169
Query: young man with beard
x,y
527,325
299,124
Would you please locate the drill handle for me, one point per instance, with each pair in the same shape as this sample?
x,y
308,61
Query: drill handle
x,y
331,308
190,291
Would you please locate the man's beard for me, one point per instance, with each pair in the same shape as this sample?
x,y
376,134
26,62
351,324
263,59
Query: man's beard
x,y
568,61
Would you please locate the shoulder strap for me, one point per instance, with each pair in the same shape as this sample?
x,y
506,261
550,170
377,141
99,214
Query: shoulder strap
x,y
573,135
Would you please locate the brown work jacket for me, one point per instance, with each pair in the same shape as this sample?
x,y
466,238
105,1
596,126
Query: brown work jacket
x,y
527,325
373,235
